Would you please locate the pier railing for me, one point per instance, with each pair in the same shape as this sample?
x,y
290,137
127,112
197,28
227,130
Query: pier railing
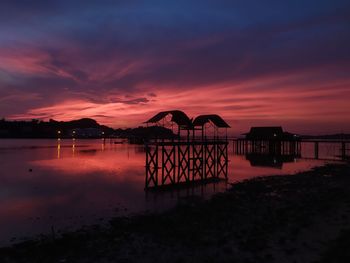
x,y
340,148
272,147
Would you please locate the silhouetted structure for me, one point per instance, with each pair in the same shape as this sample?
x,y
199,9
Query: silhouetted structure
x,y
177,116
268,140
191,128
186,158
215,121
342,154
269,133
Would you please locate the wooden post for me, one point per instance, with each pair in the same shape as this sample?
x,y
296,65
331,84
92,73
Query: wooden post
x,y
343,150
226,161
189,162
215,159
147,166
156,166
163,167
316,150
174,164
202,160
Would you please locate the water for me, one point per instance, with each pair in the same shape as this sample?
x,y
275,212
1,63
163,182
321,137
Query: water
x,y
68,184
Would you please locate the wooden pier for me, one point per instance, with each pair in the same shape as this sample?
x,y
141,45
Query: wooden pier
x,y
292,148
184,162
197,153
344,148
271,147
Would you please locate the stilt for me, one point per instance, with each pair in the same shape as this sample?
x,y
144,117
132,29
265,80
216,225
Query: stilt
x,y
185,162
316,150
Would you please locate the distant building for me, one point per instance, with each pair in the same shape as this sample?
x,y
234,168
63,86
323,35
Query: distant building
x,y
270,133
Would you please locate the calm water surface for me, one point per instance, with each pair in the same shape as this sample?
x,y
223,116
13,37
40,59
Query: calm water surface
x,y
67,184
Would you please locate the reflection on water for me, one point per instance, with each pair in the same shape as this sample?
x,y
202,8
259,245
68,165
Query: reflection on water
x,y
69,183
275,161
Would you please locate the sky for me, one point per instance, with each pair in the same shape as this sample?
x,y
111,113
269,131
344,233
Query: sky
x,y
253,62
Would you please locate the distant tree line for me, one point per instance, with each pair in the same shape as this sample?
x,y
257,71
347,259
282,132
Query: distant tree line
x,y
82,128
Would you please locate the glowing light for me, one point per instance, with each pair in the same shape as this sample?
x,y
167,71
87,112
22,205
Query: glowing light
x,y
58,150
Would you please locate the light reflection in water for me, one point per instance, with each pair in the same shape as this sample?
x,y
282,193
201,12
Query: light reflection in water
x,y
58,148
76,182
103,144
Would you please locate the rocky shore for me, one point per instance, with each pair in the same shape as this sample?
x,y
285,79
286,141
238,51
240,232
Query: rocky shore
x,y
297,218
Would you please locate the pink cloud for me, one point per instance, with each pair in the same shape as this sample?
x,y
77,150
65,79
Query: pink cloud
x,y
239,103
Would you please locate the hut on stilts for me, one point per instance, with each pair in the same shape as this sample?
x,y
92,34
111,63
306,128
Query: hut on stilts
x,y
198,152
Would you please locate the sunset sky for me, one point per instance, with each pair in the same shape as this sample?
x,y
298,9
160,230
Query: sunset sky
x,y
253,62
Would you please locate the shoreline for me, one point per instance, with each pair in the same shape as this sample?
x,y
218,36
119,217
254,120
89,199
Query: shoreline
x,y
288,218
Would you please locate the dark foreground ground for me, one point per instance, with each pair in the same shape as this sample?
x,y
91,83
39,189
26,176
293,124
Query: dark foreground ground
x,y
298,218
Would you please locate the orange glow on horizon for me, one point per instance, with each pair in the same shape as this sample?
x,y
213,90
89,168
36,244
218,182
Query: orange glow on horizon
x,y
242,104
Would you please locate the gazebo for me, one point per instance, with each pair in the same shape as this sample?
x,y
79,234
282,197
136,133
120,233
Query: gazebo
x,y
184,161
213,120
202,123
168,119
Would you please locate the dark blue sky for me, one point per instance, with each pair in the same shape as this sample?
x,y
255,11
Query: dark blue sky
x,y
254,62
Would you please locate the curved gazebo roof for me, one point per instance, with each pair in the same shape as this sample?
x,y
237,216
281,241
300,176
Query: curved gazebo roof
x,y
177,116
184,122
201,120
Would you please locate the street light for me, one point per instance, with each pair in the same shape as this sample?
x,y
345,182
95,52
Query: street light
x,y
58,135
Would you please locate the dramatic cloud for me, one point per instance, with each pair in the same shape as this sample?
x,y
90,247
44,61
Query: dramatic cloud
x,y
120,62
